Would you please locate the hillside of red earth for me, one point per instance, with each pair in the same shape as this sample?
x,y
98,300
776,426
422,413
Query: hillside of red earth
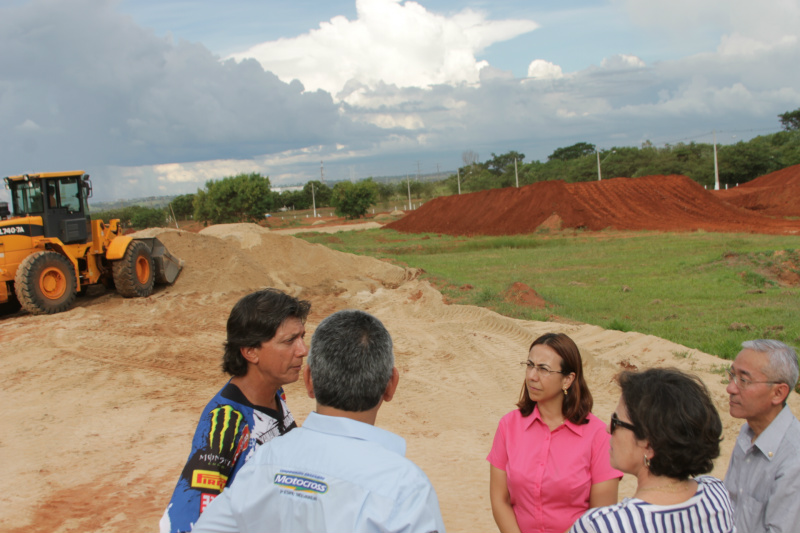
x,y
660,203
774,194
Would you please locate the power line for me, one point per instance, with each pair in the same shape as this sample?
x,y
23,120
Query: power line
x,y
709,133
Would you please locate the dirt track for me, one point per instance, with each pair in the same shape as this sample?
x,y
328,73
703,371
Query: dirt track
x,y
774,194
105,397
661,203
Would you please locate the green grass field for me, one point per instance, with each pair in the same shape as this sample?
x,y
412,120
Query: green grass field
x,y
709,291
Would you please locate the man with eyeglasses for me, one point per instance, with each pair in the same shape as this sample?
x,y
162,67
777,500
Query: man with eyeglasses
x,y
763,476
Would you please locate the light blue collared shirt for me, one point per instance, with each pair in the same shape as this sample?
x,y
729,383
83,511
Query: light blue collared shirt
x,y
764,477
332,474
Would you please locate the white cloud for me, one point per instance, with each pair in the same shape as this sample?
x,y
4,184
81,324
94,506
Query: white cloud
x,y
622,61
741,45
544,70
391,42
28,125
763,24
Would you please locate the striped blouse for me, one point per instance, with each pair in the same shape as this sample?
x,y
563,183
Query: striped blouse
x,y
708,511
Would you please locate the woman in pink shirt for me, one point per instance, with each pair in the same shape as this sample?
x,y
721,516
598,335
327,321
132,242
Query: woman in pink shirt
x,y
550,458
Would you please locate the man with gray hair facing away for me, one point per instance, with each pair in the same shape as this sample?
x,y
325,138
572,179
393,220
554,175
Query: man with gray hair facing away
x,y
763,476
337,472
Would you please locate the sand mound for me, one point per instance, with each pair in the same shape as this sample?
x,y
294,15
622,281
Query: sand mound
x,y
237,257
105,397
663,203
773,194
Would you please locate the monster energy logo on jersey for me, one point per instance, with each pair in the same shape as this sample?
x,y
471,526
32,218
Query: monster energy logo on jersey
x,y
225,424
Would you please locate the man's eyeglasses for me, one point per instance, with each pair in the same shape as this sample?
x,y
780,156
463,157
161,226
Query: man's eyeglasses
x,y
540,369
615,422
743,383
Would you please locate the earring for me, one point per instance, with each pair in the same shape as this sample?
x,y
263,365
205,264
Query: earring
x,y
565,392
646,462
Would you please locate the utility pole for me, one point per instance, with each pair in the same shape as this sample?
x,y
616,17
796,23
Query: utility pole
x,y
516,173
599,175
458,175
408,184
716,167
313,199
322,172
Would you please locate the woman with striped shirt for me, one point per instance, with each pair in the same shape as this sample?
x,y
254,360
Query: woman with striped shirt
x,y
665,431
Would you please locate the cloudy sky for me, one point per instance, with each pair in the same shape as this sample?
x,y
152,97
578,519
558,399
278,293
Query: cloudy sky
x,y
154,97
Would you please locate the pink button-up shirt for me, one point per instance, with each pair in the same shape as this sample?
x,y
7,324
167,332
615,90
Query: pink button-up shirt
x,y
550,474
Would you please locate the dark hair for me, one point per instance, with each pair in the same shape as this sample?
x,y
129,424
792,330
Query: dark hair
x,y
578,401
351,361
255,319
675,413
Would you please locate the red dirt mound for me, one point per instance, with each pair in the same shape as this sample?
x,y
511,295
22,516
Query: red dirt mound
x,y
773,194
663,203
521,294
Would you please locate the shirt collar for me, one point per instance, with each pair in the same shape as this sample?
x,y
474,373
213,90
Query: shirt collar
x,y
346,427
535,415
770,439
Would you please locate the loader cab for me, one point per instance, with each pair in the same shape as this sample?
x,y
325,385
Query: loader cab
x,y
59,198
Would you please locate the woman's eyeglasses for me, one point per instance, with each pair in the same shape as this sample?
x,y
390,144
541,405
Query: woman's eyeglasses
x,y
540,369
617,422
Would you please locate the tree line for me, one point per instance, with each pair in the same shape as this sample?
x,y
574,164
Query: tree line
x,y
737,163
249,197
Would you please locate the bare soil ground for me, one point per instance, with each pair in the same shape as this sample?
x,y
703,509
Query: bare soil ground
x,y
661,203
103,399
774,194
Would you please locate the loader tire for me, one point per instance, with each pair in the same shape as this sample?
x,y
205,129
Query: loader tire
x,y
134,274
45,283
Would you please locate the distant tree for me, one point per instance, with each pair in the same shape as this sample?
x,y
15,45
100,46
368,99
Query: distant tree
x,y
294,200
572,152
386,191
321,196
147,217
245,197
501,164
469,158
352,200
790,120
742,162
478,178
135,216
183,206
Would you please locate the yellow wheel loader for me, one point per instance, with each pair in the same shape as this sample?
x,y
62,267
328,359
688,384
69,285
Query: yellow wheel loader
x,y
51,249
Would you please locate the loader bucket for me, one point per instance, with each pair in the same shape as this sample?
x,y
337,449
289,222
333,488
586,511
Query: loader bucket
x,y
167,266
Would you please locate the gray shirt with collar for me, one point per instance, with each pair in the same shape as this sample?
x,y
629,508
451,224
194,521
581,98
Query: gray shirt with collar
x,y
763,477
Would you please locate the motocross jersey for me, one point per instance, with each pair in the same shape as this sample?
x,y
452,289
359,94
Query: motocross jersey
x,y
229,431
